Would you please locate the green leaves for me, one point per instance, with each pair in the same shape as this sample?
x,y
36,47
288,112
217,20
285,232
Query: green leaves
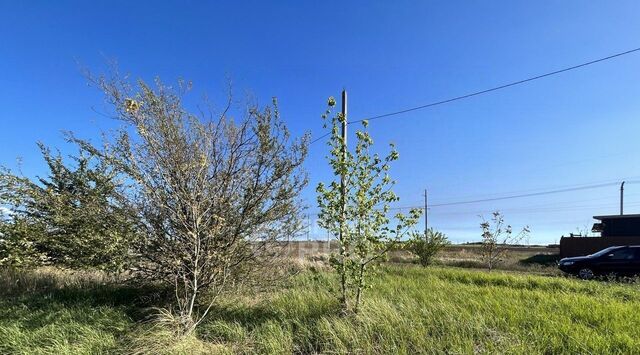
x,y
355,208
496,237
426,247
70,218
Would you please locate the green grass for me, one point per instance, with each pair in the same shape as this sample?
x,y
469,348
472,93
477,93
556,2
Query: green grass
x,y
55,312
408,310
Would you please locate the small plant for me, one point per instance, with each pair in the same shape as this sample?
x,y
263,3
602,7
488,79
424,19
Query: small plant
x,y
427,245
496,238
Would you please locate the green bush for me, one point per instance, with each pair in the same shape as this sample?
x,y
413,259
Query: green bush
x,y
425,247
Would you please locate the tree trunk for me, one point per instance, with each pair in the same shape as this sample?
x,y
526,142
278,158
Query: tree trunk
x,y
360,287
344,303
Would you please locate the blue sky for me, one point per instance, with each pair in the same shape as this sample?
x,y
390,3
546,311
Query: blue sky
x,y
575,128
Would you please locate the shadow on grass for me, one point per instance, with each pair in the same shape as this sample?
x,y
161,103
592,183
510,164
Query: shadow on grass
x,y
253,316
34,304
36,299
541,259
251,324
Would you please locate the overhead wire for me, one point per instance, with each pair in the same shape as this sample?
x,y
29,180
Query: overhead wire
x,y
510,197
485,91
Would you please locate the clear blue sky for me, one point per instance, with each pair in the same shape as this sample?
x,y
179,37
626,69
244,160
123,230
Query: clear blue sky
x,y
579,127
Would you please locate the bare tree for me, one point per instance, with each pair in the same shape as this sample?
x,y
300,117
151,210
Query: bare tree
x,y
496,238
214,195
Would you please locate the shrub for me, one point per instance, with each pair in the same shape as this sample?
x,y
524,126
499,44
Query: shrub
x,y
215,194
72,218
426,246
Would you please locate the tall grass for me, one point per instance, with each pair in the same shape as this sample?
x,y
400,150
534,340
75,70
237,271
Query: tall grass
x,y
408,310
50,311
414,310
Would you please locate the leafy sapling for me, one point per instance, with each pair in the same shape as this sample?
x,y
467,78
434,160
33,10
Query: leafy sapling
x,y
355,207
496,238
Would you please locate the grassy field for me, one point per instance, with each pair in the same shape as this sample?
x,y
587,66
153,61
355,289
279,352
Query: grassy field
x,y
408,310
538,259
530,259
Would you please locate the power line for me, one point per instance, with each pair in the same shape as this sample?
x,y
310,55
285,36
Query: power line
x,y
476,93
499,87
319,138
538,189
509,197
515,196
531,209
540,209
578,188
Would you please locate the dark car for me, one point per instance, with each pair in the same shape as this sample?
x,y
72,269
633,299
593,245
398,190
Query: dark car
x,y
619,260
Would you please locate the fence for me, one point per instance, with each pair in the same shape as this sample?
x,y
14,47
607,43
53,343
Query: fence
x,y
578,246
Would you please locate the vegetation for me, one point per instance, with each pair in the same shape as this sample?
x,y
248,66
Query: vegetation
x,y
214,195
426,246
355,208
73,218
408,310
496,238
529,259
194,210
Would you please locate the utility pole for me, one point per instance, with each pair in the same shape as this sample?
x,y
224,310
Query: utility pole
x,y
426,212
343,178
343,195
622,199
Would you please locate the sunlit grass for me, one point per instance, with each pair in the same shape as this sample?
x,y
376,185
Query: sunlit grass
x,y
407,310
